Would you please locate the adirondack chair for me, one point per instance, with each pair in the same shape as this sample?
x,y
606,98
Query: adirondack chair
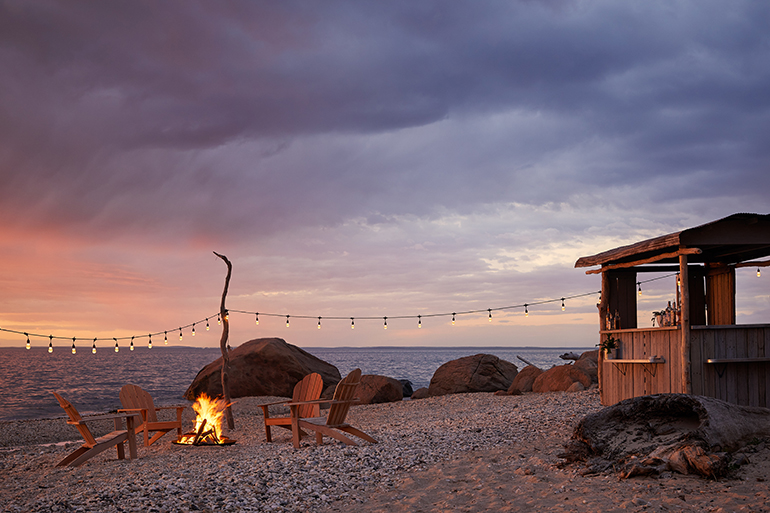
x,y
308,389
93,446
334,422
135,400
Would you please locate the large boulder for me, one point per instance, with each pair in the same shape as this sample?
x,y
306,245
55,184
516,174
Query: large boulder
x,y
560,378
477,373
524,379
375,389
420,393
265,366
589,363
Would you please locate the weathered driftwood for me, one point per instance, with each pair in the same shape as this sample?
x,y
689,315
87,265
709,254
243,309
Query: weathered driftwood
x,y
678,432
525,361
223,345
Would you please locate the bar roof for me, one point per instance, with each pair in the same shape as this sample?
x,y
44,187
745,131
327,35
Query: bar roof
x,y
733,239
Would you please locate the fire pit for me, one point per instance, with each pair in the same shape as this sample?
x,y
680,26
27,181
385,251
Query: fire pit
x,y
207,427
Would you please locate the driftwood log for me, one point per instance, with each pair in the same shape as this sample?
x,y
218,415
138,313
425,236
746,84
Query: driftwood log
x,y
525,361
666,432
224,347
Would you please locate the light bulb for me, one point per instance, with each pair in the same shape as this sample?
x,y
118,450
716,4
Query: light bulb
x,y
562,305
28,346
227,315
50,343
287,321
490,314
116,344
453,318
93,347
526,311
180,334
319,323
165,337
352,324
256,320
74,351
386,322
131,347
149,341
640,288
219,319
419,321
193,330
207,323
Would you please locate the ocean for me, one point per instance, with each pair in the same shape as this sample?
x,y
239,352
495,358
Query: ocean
x,y
92,381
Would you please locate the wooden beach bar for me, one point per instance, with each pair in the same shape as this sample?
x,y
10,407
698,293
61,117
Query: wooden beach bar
x,y
699,349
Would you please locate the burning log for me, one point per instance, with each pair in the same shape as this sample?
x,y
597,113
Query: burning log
x,y
207,427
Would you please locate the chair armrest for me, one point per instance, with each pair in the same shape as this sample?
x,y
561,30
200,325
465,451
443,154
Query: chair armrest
x,y
102,417
179,407
285,401
322,401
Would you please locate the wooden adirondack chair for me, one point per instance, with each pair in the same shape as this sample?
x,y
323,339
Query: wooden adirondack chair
x,y
135,400
93,446
334,422
308,389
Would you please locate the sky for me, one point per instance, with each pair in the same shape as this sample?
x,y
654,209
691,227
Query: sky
x,y
365,159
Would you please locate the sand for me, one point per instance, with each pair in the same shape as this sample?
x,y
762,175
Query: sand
x,y
467,452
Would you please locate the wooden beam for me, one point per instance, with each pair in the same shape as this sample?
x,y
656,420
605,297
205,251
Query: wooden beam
x,y
764,263
684,284
657,258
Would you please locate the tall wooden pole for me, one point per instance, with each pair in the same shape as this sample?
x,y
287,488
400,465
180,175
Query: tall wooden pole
x,y
684,284
604,306
223,345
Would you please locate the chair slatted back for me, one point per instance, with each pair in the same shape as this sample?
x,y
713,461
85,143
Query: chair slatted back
x,y
344,392
75,417
133,396
309,389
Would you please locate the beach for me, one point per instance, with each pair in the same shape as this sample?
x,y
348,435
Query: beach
x,y
463,452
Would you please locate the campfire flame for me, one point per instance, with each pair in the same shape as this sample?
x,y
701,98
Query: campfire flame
x,y
207,426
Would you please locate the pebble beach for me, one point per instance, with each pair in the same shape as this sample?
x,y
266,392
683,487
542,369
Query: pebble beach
x,y
463,452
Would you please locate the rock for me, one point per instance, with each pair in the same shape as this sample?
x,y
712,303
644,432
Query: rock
x,y
569,356
420,393
525,378
407,386
559,378
589,363
379,389
683,433
577,386
478,373
265,366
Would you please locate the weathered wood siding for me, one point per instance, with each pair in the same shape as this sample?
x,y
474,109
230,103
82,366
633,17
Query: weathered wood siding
x,y
625,380
746,383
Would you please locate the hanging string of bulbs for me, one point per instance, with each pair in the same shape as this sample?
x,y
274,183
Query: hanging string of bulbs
x,y
419,318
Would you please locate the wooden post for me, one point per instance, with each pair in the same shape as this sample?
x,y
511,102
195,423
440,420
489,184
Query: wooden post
x,y
684,280
603,307
223,345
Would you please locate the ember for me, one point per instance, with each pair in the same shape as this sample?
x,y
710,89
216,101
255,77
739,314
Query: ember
x,y
207,427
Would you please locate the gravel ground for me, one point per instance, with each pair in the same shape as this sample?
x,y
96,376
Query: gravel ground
x,y
253,475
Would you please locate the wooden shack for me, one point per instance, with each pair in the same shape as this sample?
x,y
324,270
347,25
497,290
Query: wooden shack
x,y
703,351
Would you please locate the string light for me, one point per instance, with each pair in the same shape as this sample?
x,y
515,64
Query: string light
x,y
526,311
227,315
180,334
419,321
219,319
207,323
193,330
352,324
386,322
74,351
490,314
319,323
165,337
257,318
453,318
562,305
50,343
116,344
638,284
287,321
93,347
131,347
28,345
149,341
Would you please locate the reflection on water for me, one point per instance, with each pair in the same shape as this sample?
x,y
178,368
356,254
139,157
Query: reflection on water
x,y
92,381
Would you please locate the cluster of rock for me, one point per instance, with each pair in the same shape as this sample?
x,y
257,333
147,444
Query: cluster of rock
x,y
271,367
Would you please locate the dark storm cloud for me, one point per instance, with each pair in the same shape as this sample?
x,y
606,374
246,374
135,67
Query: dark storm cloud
x,y
181,116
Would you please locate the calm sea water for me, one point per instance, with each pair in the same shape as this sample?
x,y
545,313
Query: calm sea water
x,y
92,381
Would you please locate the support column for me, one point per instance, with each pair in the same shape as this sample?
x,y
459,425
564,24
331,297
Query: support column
x,y
684,280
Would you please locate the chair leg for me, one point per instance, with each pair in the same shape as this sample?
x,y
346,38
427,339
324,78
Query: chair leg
x,y
119,447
